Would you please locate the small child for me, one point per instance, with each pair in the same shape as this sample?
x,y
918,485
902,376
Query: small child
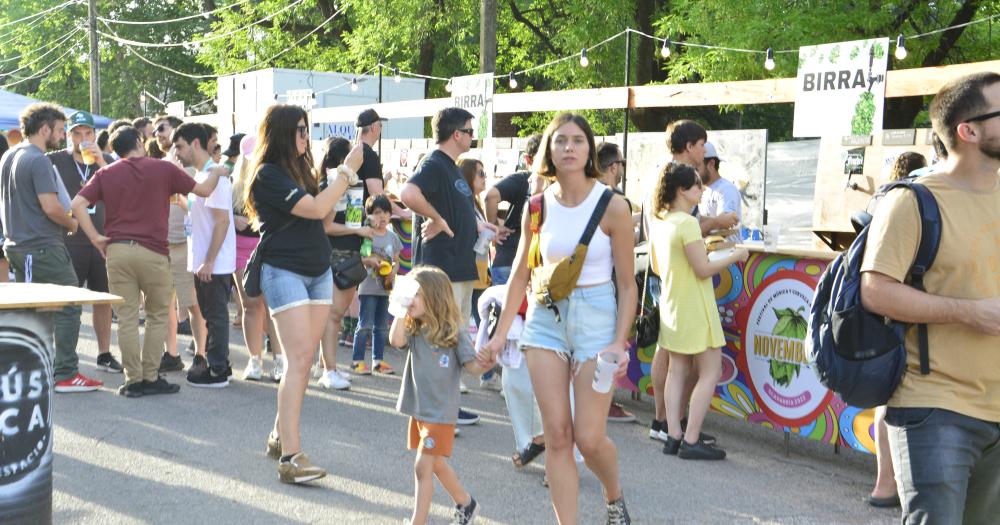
x,y
373,291
439,348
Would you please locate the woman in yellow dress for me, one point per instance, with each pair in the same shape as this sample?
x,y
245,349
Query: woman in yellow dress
x,y
690,328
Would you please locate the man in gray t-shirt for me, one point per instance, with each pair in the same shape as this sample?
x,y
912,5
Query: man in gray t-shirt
x,y
35,219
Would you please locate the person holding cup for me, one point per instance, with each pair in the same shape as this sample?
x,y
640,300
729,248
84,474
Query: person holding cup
x,y
76,165
562,350
690,328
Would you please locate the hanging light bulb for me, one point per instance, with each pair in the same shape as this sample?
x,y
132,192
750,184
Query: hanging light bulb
x,y
447,87
584,61
354,84
901,47
396,76
665,50
769,61
513,81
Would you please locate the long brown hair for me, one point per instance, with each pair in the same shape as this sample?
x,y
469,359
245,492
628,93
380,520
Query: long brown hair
x,y
470,170
545,166
442,318
276,145
674,177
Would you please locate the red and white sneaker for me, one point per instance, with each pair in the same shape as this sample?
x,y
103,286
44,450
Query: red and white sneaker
x,y
78,383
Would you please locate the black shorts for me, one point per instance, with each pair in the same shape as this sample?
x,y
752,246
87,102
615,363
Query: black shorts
x,y
91,269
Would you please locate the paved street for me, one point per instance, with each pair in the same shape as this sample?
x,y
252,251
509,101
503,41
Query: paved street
x,y
198,457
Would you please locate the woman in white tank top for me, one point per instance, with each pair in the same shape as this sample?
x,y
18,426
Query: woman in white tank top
x,y
561,344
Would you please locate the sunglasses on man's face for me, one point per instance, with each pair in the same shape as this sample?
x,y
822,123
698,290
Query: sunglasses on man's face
x,y
469,131
985,116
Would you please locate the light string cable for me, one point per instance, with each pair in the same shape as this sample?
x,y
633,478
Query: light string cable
x,y
181,19
18,32
40,13
39,48
338,86
138,55
114,36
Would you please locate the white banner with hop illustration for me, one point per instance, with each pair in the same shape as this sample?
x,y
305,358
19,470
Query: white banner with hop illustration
x,y
841,88
474,93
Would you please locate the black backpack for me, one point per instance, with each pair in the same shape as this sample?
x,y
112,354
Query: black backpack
x,y
858,354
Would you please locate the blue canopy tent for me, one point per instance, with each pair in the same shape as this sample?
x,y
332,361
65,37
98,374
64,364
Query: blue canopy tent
x,y
11,105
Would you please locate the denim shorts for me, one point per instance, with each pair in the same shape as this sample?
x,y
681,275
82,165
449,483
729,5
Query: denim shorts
x,y
586,324
284,289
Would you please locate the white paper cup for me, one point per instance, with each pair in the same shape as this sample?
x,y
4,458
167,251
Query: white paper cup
x,y
771,232
483,243
607,363
403,292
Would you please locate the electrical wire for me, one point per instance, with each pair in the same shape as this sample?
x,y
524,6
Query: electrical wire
x,y
54,45
18,32
338,86
44,71
956,26
40,13
181,19
212,38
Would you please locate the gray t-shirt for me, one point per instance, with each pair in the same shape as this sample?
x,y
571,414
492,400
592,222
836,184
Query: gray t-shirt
x,y
25,173
386,247
429,391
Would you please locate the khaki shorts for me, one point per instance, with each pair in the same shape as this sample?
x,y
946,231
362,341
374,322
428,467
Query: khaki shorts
x,y
183,279
434,439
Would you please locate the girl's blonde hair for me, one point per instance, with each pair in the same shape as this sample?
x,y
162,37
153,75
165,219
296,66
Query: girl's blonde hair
x,y
442,318
241,177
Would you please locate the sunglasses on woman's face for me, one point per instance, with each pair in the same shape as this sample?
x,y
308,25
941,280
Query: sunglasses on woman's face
x,y
302,130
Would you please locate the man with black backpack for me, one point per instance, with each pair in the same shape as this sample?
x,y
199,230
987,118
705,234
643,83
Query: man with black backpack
x,y
944,417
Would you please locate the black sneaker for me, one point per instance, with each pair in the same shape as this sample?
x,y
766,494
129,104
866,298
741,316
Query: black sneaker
x,y
107,363
618,513
171,363
160,386
207,378
463,515
131,390
467,418
654,429
671,445
707,439
184,327
199,363
700,450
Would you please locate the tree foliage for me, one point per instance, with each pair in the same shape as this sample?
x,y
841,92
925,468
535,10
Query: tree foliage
x,y
441,38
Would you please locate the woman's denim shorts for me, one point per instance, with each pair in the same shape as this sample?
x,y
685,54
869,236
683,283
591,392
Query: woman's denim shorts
x,y
284,289
586,325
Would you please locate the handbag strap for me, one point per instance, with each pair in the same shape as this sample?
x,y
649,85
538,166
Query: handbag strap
x,y
283,227
649,255
595,218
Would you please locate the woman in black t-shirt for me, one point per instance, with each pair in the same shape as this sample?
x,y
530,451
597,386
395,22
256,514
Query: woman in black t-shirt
x,y
284,201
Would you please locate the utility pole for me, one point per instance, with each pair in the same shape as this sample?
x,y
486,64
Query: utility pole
x,y
95,59
488,36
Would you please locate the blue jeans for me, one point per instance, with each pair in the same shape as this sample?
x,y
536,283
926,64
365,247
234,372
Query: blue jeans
x,y
947,466
372,318
500,274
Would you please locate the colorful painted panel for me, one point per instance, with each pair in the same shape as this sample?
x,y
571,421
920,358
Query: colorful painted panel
x,y
764,305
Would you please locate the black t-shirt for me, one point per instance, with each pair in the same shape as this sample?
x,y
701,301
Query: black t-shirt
x,y
513,189
298,248
371,168
442,184
74,176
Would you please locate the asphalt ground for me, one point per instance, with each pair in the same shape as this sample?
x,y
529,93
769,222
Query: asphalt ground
x,y
198,457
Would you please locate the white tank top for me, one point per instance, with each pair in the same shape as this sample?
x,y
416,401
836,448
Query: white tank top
x,y
561,232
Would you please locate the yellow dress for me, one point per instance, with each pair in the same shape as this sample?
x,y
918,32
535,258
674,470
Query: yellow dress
x,y
689,317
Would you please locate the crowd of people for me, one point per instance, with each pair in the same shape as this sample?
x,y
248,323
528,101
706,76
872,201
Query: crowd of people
x,y
157,212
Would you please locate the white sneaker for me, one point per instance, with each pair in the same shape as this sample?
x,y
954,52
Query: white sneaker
x,y
493,383
278,369
254,370
343,375
332,379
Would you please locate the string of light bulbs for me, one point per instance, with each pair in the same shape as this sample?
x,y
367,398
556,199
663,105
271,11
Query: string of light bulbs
x,y
132,50
170,21
114,36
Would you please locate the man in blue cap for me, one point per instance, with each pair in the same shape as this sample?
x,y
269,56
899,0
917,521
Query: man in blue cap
x,y
75,164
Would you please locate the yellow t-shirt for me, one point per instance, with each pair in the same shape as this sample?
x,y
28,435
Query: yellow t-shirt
x,y
689,317
965,364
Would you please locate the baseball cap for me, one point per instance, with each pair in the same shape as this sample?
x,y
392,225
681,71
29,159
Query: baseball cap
x,y
368,117
80,118
234,145
710,152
